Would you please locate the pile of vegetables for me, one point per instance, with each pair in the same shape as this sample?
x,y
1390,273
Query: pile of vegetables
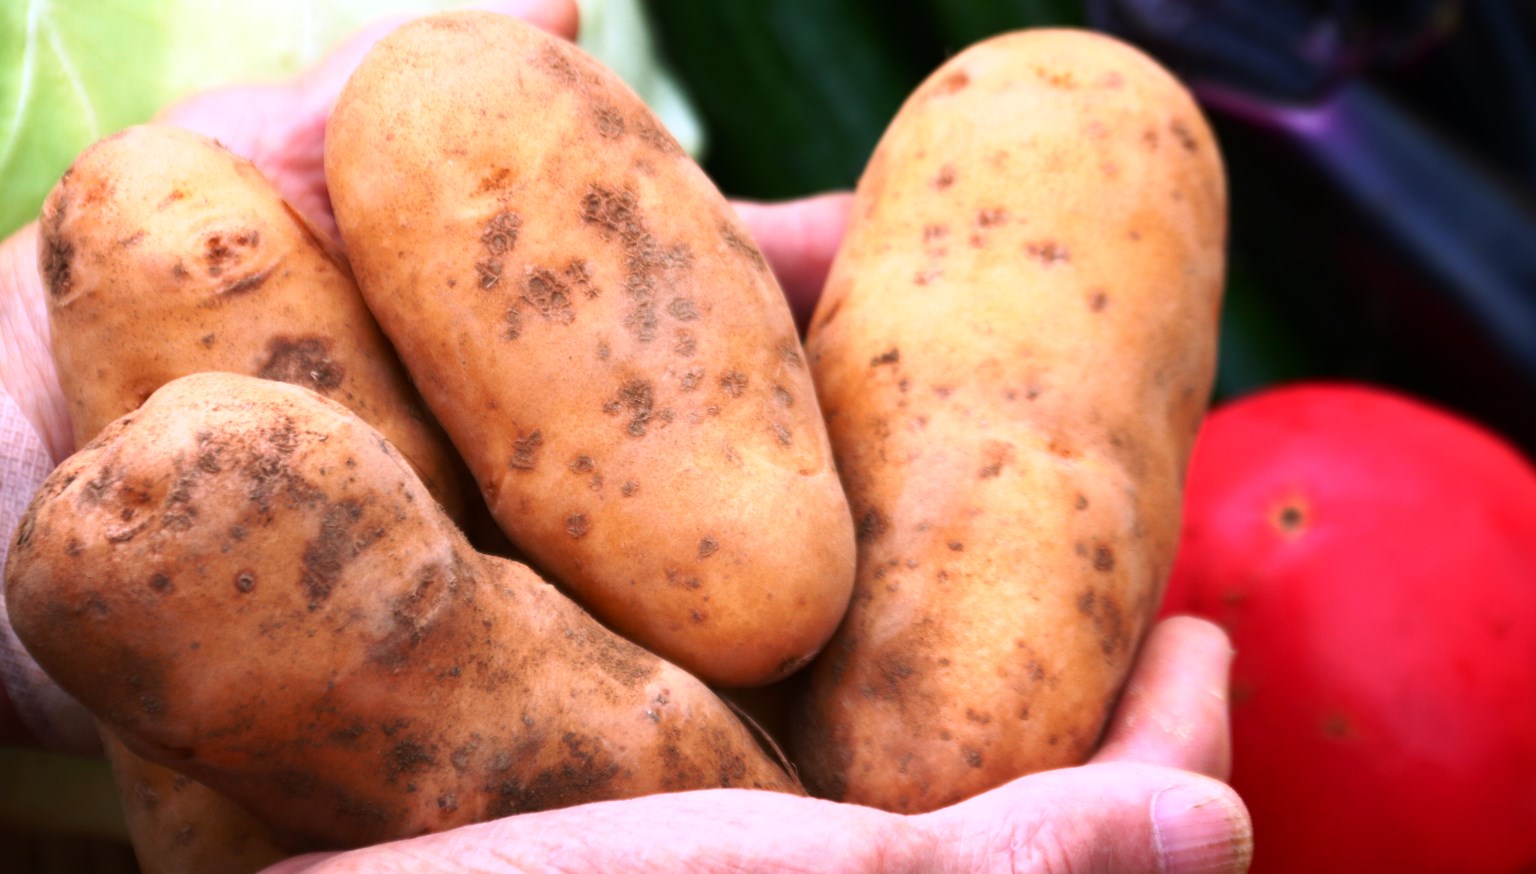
x,y
1369,553
469,520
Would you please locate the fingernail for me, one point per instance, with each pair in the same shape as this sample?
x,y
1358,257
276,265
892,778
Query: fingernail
x,y
1201,830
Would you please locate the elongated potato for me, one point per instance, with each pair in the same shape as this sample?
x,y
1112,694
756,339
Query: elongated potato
x,y
1014,350
261,593
164,255
592,325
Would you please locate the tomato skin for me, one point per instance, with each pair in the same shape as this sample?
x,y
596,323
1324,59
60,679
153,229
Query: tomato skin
x,y
1374,560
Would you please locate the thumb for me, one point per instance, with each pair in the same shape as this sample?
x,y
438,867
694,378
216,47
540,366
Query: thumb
x,y
1112,817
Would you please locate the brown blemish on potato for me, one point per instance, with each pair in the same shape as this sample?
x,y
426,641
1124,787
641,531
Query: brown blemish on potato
x,y
676,579
629,489
582,464
1182,133
1048,252
500,233
610,123
782,396
408,756
684,343
657,137
495,180
221,252
872,525
991,216
743,246
57,256
1098,300
512,322
1056,78
691,378
577,525
1081,503
488,273
638,397
557,64
1103,559
641,321
549,296
789,353
327,555
996,454
952,83
1150,139
683,309
304,361
945,177
708,546
734,383
525,451
782,434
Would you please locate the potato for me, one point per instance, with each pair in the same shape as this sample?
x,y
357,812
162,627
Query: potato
x,y
600,338
262,593
177,824
1015,347
164,254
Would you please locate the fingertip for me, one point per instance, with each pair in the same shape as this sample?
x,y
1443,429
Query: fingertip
x,y
560,18
1201,827
1196,633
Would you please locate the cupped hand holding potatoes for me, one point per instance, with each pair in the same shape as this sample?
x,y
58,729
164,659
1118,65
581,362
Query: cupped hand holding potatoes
x,y
1109,813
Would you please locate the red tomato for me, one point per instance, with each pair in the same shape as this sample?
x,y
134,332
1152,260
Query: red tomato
x,y
1374,560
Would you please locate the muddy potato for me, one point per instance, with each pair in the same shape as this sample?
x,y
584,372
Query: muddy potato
x,y
1014,350
595,330
165,254
262,594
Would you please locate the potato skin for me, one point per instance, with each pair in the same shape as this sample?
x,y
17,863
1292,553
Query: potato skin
x,y
589,320
1014,350
262,594
165,254
179,825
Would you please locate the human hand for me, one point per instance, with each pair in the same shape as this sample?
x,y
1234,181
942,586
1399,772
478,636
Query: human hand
x,y
280,128
1150,800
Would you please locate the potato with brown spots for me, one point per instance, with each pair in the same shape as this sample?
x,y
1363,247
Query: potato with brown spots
x,y
591,323
165,254
1014,350
262,594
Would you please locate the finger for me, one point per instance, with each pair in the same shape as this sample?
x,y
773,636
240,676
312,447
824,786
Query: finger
x,y
799,238
27,371
1174,709
1119,817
